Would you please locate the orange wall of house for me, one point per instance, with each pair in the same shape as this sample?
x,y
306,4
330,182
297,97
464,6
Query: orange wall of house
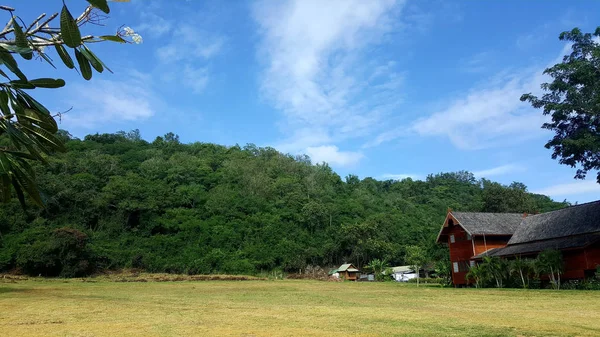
x,y
490,242
460,250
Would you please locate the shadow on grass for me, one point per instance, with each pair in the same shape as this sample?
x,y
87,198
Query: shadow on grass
x,y
4,290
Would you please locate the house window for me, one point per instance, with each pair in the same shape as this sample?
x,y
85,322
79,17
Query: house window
x,y
472,263
452,239
455,266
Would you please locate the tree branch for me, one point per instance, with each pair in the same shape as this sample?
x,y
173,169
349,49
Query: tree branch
x,y
35,21
41,26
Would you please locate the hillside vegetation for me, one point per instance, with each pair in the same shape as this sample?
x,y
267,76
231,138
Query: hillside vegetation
x,y
117,201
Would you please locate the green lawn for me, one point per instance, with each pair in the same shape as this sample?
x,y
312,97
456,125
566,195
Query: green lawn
x,y
288,308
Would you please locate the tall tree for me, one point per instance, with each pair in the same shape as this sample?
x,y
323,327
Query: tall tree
x,y
416,257
27,128
573,101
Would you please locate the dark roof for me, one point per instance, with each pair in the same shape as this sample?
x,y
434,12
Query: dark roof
x,y
538,246
570,221
489,223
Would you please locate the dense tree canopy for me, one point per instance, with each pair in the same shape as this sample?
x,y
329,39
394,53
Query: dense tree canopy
x,y
115,200
573,101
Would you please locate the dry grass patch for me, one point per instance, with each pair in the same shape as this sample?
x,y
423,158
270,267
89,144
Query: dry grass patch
x,y
289,308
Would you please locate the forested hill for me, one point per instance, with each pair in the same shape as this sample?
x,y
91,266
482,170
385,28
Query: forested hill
x,y
115,200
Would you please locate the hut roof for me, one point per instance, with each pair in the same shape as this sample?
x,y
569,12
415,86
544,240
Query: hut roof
x,y
489,223
570,221
347,267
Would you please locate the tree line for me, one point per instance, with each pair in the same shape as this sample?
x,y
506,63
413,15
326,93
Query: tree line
x,y
117,201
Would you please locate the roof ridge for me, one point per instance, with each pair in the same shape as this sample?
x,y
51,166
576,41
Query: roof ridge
x,y
488,213
562,209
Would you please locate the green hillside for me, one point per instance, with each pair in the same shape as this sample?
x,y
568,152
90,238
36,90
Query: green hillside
x,y
116,201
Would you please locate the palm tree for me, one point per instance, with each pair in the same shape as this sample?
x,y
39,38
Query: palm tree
x,y
476,273
378,267
523,268
549,262
496,268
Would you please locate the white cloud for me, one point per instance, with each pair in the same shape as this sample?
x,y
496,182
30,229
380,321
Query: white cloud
x,y
189,42
192,49
489,115
578,187
110,101
400,176
195,78
153,25
500,170
317,71
332,155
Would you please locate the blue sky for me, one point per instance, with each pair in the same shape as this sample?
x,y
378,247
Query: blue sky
x,y
386,89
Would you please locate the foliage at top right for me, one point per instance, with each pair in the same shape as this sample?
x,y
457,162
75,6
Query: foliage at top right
x,y
573,101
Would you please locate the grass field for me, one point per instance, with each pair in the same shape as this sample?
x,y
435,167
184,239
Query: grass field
x,y
288,308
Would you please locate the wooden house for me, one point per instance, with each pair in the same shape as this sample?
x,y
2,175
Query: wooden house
x,y
575,231
348,272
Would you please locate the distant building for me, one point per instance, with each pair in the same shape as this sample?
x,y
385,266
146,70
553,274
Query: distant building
x,y
575,231
403,273
346,271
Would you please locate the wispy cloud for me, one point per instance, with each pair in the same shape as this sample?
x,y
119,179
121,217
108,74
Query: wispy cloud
x,y
574,188
332,155
153,25
488,115
499,170
400,176
476,63
189,42
316,70
110,101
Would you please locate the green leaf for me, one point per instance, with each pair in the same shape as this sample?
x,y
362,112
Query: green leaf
x,y
26,180
15,49
64,56
84,65
113,38
94,61
47,59
4,103
24,155
5,186
4,74
45,122
19,192
98,59
101,5
10,62
69,29
33,103
21,84
46,138
21,40
48,83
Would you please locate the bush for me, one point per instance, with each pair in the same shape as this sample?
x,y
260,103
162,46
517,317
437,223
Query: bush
x,y
429,280
62,253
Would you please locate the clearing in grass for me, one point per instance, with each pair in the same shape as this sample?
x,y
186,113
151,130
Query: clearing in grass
x,y
288,308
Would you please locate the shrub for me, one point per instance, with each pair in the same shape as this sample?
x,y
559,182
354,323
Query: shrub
x,y
429,280
62,253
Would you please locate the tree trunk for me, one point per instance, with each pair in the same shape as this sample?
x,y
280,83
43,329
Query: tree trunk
x,y
522,278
